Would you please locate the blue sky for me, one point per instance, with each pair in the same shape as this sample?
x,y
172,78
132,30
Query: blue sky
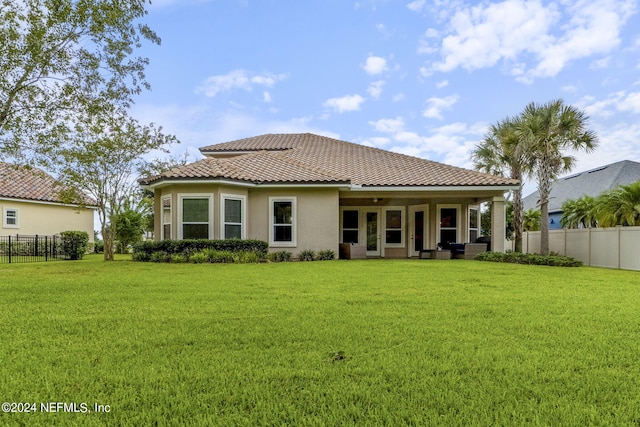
x,y
423,78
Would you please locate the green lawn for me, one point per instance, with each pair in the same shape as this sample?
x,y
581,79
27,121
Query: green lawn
x,y
404,342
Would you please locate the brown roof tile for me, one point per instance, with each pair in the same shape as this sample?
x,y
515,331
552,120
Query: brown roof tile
x,y
29,183
305,158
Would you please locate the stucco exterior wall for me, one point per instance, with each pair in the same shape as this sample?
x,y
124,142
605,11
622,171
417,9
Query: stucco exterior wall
x,y
46,219
316,218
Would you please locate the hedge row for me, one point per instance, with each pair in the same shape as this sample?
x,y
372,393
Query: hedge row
x,y
143,251
529,259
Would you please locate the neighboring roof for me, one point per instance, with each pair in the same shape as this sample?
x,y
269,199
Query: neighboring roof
x,y
589,183
309,158
29,183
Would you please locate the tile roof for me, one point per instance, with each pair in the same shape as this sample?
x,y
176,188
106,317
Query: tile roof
x,y
309,158
19,182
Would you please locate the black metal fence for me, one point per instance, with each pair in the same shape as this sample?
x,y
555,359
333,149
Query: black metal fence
x,y
14,249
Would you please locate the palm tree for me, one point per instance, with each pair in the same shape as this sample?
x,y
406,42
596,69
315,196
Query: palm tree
x,y
500,154
620,206
531,221
579,213
548,131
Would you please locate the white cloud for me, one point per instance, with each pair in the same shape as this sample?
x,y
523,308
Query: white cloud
x,y
530,38
416,5
344,104
375,89
616,102
237,79
437,105
266,96
375,65
443,83
388,125
398,97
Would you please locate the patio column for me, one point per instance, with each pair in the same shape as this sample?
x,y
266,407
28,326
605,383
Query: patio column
x,y
498,224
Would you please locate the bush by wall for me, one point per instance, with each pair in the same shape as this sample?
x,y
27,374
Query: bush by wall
x,y
529,259
74,243
163,250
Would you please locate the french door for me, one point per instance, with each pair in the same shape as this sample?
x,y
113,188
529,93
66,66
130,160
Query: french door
x,y
418,229
372,224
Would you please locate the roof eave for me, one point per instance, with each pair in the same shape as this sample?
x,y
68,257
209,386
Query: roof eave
x,y
372,188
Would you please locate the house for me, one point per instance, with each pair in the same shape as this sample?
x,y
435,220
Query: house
x,y
305,191
589,183
30,205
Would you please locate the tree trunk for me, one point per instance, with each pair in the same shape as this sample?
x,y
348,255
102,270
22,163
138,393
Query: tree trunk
x,y
518,219
108,238
544,188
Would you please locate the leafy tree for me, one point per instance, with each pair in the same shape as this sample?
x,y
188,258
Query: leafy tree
x,y
59,58
579,213
129,224
532,220
620,206
548,131
501,153
106,152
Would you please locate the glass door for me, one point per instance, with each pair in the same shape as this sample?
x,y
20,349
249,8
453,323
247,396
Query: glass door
x,y
372,223
418,229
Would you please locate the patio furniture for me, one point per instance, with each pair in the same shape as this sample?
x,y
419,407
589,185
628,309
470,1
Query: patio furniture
x,y
468,250
352,251
435,254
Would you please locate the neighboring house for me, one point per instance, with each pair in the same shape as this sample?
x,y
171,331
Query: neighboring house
x,y
30,205
305,191
590,183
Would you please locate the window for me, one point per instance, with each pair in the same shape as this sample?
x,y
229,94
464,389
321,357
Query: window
x,y
196,217
474,223
448,224
350,226
282,213
394,219
166,218
233,216
10,218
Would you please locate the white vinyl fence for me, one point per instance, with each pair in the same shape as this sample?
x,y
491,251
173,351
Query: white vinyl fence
x,y
617,247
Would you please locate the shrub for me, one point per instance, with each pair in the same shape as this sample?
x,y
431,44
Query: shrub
x,y
178,258
74,243
250,257
529,259
199,258
190,247
307,255
326,255
159,256
282,256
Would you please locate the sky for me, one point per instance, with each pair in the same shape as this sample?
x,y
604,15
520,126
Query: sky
x,y
423,78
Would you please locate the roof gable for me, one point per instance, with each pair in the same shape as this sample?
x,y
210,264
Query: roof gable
x,y
588,183
309,158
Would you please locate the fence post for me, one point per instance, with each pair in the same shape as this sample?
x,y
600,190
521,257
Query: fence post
x,y
36,247
9,249
46,249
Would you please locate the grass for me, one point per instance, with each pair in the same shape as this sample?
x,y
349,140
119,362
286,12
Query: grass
x,y
326,343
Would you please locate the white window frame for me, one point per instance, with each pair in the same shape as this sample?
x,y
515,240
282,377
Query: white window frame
x,y
469,209
243,214
403,226
162,218
5,217
439,208
183,196
294,229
